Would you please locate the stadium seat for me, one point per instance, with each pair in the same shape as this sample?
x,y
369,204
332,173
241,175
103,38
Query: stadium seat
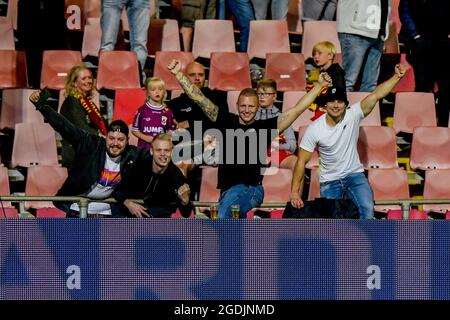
x,y
437,186
6,208
17,108
391,44
37,186
118,70
277,188
13,69
377,147
12,12
290,98
317,31
208,187
314,184
126,103
56,65
34,144
294,17
413,109
389,184
267,36
163,58
229,71
287,69
430,148
163,35
374,118
313,163
211,35
6,34
408,82
232,97
92,38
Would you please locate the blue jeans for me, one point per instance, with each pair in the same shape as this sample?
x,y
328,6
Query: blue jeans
x,y
242,10
247,197
278,8
361,53
355,187
138,20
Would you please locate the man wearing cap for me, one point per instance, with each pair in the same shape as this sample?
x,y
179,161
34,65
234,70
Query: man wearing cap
x,y
336,135
100,164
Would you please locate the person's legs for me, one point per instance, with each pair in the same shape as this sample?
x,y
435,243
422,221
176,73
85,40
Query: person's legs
x,y
422,61
357,189
354,49
111,11
246,197
242,10
139,20
371,69
332,189
279,9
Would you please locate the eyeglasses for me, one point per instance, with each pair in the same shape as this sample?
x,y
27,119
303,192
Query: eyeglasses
x,y
265,94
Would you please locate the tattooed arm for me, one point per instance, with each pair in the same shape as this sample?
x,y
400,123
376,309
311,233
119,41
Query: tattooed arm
x,y
209,108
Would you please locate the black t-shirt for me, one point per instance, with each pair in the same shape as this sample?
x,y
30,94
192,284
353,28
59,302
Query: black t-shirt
x,y
243,150
184,108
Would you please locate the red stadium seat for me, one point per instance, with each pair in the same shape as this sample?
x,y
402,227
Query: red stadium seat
x,y
34,144
37,186
374,118
118,70
6,209
6,34
163,35
414,109
17,108
389,184
430,148
290,98
13,69
437,186
267,36
56,65
377,147
287,69
163,58
314,184
126,103
211,35
229,71
317,31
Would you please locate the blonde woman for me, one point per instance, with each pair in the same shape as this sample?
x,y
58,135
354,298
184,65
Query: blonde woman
x,y
79,108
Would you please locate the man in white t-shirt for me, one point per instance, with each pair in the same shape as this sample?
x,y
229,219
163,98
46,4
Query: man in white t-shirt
x,y
335,134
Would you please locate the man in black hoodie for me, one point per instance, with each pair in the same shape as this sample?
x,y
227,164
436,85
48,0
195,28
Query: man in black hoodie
x,y
100,164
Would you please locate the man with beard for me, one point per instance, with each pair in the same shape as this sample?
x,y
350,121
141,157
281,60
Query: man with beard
x,y
163,187
99,165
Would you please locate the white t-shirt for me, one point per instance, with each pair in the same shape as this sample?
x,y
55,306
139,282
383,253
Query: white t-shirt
x,y
337,145
102,189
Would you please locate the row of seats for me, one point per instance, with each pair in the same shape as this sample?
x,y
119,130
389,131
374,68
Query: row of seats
x,y
387,184
412,109
35,186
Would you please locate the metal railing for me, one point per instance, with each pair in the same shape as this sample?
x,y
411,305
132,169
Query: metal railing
x,y
83,202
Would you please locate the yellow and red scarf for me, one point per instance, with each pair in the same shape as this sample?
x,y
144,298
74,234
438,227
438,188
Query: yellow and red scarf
x,y
93,113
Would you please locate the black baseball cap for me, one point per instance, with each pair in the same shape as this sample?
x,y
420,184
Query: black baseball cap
x,y
333,94
118,126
